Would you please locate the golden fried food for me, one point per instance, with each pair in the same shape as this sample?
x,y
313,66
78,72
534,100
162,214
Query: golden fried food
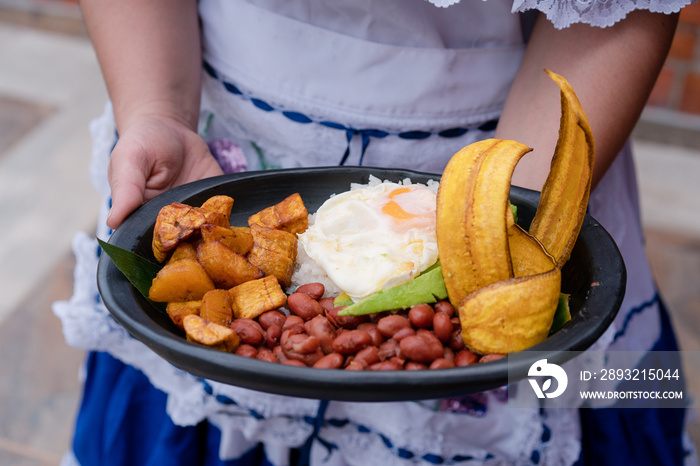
x,y
237,239
213,335
274,252
289,215
216,307
184,250
565,193
226,268
510,315
504,281
177,222
183,280
252,298
472,207
178,310
221,204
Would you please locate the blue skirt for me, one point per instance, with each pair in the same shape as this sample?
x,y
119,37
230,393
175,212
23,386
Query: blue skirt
x,y
122,421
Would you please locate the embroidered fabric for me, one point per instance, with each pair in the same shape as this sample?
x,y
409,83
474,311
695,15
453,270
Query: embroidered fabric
x,y
599,13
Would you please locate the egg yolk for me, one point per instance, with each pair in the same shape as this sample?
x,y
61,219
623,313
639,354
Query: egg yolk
x,y
407,209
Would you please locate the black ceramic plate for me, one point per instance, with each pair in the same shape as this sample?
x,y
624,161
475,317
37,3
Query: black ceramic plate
x,y
595,259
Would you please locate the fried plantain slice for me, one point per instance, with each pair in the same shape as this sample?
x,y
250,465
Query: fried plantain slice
x,y
183,280
226,268
289,215
215,336
177,222
274,252
252,298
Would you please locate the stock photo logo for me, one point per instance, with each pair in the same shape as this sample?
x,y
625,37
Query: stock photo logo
x,y
544,372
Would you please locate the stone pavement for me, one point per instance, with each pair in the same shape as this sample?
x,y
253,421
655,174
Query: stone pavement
x,y
50,88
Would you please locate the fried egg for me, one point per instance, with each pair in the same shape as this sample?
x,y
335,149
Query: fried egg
x,y
374,237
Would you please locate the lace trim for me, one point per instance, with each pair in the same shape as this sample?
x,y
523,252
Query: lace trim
x,y
598,13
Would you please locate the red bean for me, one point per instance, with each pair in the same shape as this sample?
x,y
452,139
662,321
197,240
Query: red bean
x,y
398,360
368,355
279,354
421,316
272,336
293,362
422,347
326,303
304,305
388,349
314,290
303,344
385,366
292,321
265,354
445,307
442,326
414,366
266,319
300,346
321,328
403,333
351,341
465,358
449,354
330,361
441,363
249,331
391,324
491,357
353,365
349,322
247,351
371,328
456,341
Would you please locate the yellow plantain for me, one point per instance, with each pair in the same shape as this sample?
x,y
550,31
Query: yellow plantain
x,y
504,281
514,314
511,315
528,256
565,193
472,206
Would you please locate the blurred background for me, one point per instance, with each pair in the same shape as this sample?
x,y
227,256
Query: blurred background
x,y
50,89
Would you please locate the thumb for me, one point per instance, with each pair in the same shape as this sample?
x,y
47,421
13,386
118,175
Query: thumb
x,y
128,185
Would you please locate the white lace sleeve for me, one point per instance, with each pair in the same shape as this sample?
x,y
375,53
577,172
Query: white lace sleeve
x,y
599,13
443,3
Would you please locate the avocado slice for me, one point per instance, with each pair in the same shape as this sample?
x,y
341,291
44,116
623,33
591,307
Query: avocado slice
x,y
428,287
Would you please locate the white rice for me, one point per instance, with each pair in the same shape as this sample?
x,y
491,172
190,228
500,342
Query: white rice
x,y
306,270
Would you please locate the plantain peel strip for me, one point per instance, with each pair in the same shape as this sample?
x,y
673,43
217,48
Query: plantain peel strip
x,y
565,193
472,215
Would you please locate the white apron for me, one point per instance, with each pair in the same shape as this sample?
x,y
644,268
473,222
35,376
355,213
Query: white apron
x,y
405,84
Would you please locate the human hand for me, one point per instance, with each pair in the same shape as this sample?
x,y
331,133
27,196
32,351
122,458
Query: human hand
x,y
154,154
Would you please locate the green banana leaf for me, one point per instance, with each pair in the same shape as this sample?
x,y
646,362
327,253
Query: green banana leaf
x,y
139,271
